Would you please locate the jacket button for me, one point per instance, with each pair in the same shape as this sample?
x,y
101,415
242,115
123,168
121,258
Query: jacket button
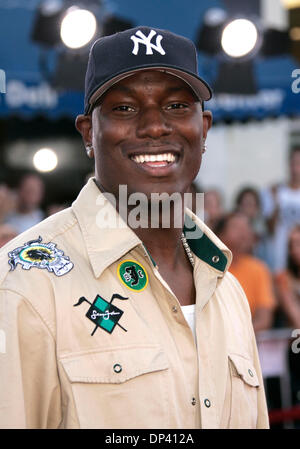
x,y
174,309
207,403
250,372
193,401
117,368
215,259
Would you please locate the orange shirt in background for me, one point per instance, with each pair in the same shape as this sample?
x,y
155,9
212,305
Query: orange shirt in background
x,y
256,280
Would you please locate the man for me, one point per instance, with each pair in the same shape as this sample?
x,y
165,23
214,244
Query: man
x,y
96,336
29,197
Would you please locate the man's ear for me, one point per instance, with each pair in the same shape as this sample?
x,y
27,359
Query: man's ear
x,y
83,124
207,122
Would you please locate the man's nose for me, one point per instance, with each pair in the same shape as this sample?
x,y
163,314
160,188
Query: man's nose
x,y
153,123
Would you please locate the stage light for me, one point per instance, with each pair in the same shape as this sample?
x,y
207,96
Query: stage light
x,y
46,24
69,27
239,38
45,160
290,4
78,27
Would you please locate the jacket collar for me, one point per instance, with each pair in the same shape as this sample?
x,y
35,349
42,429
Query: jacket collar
x,y
107,237
205,244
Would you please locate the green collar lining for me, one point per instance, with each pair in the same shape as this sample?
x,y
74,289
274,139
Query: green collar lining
x,y
203,247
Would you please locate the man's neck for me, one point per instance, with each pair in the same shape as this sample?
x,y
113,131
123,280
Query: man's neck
x,y
164,245
161,239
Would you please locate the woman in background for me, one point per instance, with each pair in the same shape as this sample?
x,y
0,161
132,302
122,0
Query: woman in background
x,y
288,291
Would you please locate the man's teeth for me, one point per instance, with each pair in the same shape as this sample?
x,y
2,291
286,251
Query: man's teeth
x,y
141,158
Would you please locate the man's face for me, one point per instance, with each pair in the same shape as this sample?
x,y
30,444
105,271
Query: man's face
x,y
31,192
238,235
148,133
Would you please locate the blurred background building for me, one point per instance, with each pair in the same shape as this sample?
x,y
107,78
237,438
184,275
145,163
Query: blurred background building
x,y
249,52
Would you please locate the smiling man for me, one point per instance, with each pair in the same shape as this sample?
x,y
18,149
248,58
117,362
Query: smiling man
x,y
109,325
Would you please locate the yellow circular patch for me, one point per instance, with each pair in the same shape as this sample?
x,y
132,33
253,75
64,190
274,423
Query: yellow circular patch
x,y
36,254
133,275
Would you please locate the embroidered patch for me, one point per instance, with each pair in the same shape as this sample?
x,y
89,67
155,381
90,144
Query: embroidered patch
x,y
103,313
40,255
133,275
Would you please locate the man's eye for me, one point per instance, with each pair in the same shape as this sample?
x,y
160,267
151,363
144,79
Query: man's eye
x,y
177,106
124,108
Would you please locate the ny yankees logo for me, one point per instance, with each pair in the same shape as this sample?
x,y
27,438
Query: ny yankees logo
x,y
142,39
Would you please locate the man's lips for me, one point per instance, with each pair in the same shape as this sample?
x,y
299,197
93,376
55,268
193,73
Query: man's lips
x,y
150,159
156,164
156,158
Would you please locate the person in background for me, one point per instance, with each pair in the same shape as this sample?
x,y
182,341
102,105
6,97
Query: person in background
x,y
287,282
30,194
213,207
7,233
254,276
281,207
287,285
248,202
7,201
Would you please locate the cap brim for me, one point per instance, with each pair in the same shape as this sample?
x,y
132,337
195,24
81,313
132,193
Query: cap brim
x,y
201,89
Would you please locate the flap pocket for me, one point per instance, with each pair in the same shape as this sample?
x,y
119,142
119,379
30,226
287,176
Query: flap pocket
x,y
114,365
244,369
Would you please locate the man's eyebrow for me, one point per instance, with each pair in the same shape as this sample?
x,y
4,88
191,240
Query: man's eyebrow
x,y
122,88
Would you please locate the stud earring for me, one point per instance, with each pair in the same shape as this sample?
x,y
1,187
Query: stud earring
x,y
204,148
90,151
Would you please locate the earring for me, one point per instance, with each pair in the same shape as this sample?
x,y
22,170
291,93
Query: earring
x,y
90,151
204,148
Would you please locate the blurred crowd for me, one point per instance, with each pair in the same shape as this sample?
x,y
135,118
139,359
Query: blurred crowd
x,y
263,232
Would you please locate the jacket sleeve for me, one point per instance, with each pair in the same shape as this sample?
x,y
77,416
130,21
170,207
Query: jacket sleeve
x,y
29,387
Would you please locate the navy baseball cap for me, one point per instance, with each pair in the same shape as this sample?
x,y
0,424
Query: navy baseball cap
x,y
120,55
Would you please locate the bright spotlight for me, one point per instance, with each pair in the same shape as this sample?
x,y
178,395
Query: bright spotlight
x,y
78,27
239,38
45,160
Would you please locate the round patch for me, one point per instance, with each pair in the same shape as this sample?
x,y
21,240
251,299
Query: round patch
x,y
133,275
38,253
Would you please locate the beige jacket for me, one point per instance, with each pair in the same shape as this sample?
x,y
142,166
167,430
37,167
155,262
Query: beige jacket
x,y
73,355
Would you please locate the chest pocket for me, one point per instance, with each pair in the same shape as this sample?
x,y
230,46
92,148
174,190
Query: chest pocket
x,y
244,384
120,388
